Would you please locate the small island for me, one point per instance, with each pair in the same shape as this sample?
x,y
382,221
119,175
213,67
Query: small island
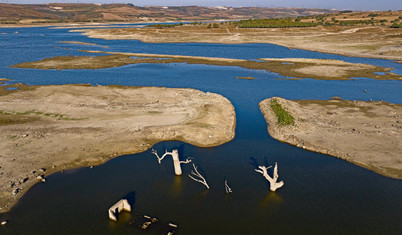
x,y
368,134
321,69
45,129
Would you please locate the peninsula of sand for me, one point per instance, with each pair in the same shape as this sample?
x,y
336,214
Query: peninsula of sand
x,y
44,129
368,134
361,41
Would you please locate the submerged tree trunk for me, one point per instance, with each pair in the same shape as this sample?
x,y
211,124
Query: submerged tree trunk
x,y
272,181
176,160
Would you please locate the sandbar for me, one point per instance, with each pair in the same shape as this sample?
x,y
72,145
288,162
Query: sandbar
x,y
322,69
82,43
368,134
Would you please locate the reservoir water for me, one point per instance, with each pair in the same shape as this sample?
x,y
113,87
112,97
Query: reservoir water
x,y
321,195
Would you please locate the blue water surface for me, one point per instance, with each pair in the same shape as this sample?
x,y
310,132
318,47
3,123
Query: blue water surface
x,y
321,195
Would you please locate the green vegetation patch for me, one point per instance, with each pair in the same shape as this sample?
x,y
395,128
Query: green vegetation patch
x,y
273,23
246,78
161,26
284,117
396,25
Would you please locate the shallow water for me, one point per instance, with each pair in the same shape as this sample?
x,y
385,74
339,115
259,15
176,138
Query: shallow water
x,y
321,194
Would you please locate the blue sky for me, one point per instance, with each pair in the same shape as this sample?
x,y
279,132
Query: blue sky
x,y
329,4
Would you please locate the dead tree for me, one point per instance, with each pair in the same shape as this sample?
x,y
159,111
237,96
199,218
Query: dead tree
x,y
272,181
196,176
227,188
175,157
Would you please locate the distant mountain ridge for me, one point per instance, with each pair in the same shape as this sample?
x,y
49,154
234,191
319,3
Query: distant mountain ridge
x,y
69,13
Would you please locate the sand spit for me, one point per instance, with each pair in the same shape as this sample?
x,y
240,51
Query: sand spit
x,y
368,134
82,43
45,129
322,69
359,41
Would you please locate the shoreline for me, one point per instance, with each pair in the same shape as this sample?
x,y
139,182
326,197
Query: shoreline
x,y
48,129
278,37
346,41
366,134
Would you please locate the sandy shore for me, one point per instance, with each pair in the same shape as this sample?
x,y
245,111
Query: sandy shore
x,y
360,41
82,43
368,134
46,129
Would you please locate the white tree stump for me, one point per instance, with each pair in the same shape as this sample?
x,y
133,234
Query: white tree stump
x,y
272,180
176,161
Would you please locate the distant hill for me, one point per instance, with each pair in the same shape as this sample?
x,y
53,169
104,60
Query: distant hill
x,y
69,13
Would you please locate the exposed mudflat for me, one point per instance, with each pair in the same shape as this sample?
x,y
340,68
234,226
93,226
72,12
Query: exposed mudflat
x,y
368,134
322,69
44,129
82,43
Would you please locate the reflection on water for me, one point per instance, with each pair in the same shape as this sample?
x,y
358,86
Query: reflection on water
x,y
321,194
177,186
271,199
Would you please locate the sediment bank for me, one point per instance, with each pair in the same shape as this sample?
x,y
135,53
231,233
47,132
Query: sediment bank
x,y
370,41
45,129
368,134
322,69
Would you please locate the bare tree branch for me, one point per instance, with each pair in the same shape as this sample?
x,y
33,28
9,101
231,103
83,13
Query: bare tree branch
x,y
200,178
163,156
188,160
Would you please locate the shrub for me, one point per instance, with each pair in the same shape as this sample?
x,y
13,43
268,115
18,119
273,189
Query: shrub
x,y
284,117
273,23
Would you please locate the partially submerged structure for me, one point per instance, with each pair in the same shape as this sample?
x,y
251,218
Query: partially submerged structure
x,y
119,207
